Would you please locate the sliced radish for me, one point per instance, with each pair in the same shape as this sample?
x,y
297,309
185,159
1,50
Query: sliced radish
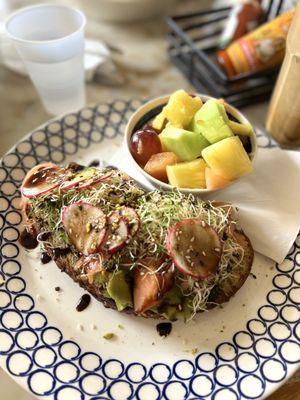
x,y
149,285
91,265
85,178
85,225
195,248
42,179
25,206
132,219
117,233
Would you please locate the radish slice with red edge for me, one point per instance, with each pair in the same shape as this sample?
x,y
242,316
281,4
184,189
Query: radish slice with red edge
x,y
42,179
117,233
195,248
151,282
85,179
91,265
85,225
132,219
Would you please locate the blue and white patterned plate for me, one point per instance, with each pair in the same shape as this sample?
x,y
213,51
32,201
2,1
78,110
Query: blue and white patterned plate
x,y
243,350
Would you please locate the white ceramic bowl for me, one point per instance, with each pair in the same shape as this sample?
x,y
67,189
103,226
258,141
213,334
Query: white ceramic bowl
x,y
149,110
124,10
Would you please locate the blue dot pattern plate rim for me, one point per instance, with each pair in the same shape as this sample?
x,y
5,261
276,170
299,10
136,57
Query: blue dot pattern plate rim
x,y
237,369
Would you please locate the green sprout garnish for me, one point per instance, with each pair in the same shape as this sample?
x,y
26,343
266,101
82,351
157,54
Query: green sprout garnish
x,y
158,212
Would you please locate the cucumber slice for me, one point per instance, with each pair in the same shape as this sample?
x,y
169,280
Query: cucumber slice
x,y
85,225
195,248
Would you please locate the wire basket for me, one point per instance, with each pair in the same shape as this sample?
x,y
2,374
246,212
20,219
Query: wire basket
x,y
193,40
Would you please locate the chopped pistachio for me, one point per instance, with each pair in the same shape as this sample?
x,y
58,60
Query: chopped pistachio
x,y
108,336
88,227
192,351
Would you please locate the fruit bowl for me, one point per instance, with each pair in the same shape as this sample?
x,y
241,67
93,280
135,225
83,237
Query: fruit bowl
x,y
148,111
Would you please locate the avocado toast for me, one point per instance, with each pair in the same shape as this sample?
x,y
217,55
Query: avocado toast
x,y
152,254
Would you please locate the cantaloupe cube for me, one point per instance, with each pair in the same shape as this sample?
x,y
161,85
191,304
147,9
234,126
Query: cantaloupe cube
x,y
189,174
157,165
214,181
228,158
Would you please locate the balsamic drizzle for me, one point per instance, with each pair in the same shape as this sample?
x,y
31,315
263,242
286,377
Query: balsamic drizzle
x,y
28,240
164,328
83,302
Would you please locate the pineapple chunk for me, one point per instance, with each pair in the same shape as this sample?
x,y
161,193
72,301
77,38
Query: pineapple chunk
x,y
189,174
159,122
180,110
228,158
240,129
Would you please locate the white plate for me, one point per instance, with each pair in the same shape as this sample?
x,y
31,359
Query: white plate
x,y
243,350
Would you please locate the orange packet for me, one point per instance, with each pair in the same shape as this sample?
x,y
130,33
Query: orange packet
x,y
258,50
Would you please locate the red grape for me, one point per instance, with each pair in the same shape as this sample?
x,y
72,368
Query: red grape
x,y
143,144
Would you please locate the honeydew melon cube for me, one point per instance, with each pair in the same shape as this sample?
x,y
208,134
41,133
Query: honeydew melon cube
x,y
212,122
187,145
228,158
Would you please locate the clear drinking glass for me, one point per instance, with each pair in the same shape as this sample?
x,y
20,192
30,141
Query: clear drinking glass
x,y
50,41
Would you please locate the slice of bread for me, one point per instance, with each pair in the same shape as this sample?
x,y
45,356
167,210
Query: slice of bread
x,y
222,291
